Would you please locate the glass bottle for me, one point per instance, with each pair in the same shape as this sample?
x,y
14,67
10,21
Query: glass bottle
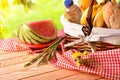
x,y
72,12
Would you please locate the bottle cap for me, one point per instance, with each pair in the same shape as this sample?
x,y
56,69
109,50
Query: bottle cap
x,y
68,3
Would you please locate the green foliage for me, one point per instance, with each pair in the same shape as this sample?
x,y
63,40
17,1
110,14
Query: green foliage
x,y
3,32
43,10
4,4
118,1
28,4
5,7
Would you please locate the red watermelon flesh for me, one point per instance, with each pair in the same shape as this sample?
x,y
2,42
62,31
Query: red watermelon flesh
x,y
44,28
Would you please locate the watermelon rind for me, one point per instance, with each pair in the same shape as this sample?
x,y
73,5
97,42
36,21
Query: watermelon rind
x,y
20,36
23,38
34,38
37,38
30,33
27,36
16,31
26,39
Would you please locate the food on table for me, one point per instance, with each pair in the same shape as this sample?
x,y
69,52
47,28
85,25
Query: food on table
x,y
114,1
37,32
98,19
111,15
72,12
96,9
84,4
105,13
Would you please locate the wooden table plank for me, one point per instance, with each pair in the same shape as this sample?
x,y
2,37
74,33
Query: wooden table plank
x,y
28,72
15,60
12,55
102,79
12,68
11,62
3,52
54,75
81,76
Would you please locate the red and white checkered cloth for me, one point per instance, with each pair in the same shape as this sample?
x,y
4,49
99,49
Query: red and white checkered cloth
x,y
12,45
108,60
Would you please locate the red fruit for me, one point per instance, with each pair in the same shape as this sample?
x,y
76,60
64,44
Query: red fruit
x,y
45,29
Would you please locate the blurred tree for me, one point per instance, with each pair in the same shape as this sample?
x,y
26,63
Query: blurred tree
x,y
118,1
5,6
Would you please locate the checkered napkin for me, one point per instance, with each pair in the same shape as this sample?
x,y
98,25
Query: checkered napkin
x,y
12,45
109,60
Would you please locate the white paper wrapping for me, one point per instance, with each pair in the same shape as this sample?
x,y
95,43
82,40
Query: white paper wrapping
x,y
97,34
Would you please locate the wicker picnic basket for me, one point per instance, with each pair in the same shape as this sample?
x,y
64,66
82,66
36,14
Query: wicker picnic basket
x,y
97,38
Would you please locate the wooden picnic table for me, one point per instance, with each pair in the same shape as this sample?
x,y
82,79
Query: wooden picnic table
x,y
12,68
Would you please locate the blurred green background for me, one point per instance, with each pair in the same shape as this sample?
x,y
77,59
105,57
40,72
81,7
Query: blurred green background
x,y
44,9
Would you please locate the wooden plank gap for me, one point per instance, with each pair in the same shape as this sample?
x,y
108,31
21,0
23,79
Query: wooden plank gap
x,y
15,60
53,75
39,74
7,52
102,78
82,76
67,76
28,72
12,55
14,68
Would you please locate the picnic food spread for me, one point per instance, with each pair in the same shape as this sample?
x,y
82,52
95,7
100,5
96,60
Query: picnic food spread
x,y
37,32
72,11
61,49
104,14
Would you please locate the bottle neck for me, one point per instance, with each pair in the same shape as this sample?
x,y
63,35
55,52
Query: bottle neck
x,y
71,8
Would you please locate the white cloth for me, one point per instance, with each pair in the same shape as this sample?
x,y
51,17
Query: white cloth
x,y
97,34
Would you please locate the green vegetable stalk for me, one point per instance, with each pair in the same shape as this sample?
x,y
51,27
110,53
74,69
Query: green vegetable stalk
x,y
47,54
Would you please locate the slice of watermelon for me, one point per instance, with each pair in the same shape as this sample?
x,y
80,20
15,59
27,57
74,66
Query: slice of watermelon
x,y
44,29
41,45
